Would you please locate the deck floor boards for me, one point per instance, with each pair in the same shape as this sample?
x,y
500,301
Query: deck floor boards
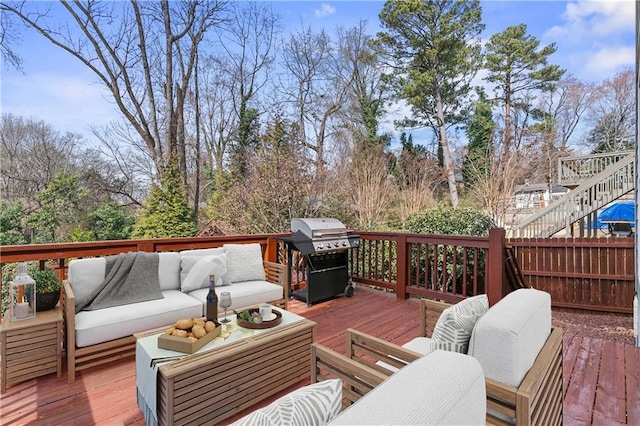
x,y
601,378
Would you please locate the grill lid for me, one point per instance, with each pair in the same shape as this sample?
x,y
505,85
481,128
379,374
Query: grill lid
x,y
319,228
320,235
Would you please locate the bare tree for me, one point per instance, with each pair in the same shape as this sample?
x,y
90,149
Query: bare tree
x,y
370,185
359,70
31,154
612,114
9,36
144,54
314,90
420,177
494,186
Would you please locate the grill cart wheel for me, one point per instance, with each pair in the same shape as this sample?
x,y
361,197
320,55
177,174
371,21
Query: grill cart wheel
x,y
350,289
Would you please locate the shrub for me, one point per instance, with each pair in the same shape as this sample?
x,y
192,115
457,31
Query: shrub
x,y
445,220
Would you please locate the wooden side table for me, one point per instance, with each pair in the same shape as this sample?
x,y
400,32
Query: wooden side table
x,y
31,348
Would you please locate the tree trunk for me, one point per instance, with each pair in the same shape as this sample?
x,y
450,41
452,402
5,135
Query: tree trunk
x,y
446,153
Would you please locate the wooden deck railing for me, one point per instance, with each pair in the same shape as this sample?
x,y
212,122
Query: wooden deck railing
x,y
61,253
593,274
447,267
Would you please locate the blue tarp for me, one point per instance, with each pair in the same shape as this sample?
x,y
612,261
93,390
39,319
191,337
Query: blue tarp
x,y
619,212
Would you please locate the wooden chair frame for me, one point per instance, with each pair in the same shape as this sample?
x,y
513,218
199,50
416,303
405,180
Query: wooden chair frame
x,y
91,356
538,399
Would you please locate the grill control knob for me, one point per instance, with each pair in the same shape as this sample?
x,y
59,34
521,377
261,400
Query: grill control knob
x,y
328,245
344,244
320,246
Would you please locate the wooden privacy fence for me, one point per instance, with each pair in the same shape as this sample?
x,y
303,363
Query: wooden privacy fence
x,y
595,274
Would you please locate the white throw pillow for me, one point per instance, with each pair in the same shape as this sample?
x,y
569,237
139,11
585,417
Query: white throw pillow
x,y
198,276
244,262
315,404
190,257
455,325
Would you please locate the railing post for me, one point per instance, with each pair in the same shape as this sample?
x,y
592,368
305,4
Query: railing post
x,y
402,266
271,252
496,282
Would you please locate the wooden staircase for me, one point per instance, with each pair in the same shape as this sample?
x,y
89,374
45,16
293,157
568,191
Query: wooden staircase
x,y
597,180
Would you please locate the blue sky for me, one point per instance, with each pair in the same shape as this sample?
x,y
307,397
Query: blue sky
x,y
595,40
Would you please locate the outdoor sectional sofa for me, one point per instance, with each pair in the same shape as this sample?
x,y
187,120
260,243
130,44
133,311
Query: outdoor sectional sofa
x,y
101,335
520,354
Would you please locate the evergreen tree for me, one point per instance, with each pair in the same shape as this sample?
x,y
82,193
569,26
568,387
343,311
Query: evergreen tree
x,y
434,48
518,66
166,211
60,209
10,226
480,149
110,222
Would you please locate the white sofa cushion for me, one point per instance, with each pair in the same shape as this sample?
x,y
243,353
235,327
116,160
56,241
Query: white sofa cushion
x,y
314,404
169,270
203,252
455,325
243,294
244,262
200,268
507,339
439,388
121,321
85,275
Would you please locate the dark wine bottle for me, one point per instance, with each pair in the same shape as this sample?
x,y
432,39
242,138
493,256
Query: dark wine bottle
x,y
212,300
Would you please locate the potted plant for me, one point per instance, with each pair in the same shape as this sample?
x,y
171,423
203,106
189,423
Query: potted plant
x,y
47,289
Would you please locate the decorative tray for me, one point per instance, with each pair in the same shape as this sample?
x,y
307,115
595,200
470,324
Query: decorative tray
x,y
264,324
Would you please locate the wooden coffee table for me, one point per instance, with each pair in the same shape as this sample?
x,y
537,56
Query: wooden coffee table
x,y
221,380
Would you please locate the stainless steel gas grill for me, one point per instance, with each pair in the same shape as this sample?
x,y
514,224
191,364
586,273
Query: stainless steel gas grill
x,y
324,243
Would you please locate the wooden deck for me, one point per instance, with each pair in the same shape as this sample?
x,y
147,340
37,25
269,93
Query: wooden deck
x,y
601,378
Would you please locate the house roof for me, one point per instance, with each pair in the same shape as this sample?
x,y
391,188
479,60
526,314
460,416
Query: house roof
x,y
538,187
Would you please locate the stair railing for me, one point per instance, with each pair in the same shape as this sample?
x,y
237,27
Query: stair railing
x,y
610,184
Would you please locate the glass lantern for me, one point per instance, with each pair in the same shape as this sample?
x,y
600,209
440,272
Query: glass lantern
x,y
22,295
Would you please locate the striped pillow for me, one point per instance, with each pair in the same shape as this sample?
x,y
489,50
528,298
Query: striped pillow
x,y
315,404
455,325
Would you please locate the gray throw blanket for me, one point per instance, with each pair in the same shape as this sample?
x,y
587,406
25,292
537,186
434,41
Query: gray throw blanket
x,y
129,278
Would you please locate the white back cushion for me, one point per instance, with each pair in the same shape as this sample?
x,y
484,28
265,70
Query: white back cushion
x,y
439,388
244,262
169,270
85,275
507,339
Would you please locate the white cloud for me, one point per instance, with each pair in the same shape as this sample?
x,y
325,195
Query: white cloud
x,y
325,10
609,60
595,39
587,19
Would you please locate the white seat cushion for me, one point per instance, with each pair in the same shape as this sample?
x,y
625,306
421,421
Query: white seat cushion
x,y
422,345
507,339
243,294
439,388
121,321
